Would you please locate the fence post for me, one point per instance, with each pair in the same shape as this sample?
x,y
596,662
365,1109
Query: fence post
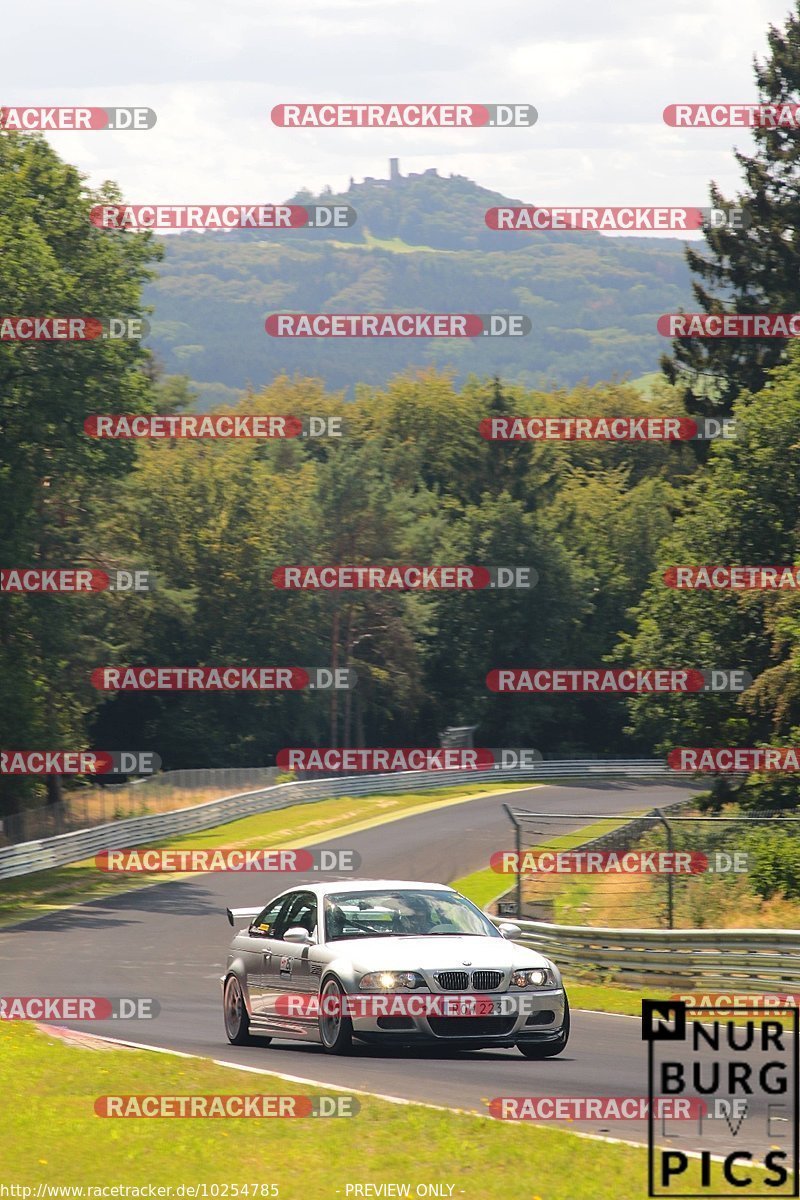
x,y
518,841
670,896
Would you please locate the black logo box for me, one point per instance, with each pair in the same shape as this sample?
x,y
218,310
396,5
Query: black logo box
x,y
665,1021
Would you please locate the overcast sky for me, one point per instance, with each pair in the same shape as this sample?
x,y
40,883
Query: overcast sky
x,y
599,74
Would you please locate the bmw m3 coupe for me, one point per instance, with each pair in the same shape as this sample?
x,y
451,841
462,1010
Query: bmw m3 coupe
x,y
388,961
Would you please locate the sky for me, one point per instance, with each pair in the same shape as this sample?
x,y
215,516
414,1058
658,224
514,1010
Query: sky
x,y
599,75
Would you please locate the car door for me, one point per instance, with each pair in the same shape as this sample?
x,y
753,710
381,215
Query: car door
x,y
258,952
289,968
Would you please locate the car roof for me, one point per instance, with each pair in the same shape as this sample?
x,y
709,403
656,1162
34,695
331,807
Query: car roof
x,y
365,885
338,885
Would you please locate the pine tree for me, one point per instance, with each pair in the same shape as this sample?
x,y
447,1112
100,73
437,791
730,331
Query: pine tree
x,y
751,269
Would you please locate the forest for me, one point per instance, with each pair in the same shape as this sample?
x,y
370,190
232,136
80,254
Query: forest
x,y
411,480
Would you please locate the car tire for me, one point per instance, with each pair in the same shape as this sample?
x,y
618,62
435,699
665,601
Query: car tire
x,y
237,1022
540,1050
335,1032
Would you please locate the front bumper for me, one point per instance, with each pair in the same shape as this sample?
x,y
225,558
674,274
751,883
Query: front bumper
x,y
539,1020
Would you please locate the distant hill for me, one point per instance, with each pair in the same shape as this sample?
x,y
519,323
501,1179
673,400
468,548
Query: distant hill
x,y
420,243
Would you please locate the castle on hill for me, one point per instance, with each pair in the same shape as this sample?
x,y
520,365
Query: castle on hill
x,y
394,176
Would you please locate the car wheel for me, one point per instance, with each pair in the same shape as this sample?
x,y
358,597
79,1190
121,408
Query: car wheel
x,y
237,1022
550,1049
335,1029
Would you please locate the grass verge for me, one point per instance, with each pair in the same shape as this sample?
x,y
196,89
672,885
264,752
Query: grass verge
x,y
58,1140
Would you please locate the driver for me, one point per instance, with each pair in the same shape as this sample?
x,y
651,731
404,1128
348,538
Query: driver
x,y
415,917
335,919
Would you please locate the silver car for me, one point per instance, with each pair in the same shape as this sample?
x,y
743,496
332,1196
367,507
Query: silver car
x,y
388,961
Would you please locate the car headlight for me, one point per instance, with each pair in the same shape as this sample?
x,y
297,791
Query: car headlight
x,y
535,977
390,981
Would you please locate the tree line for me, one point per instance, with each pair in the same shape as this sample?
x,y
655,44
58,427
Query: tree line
x,y
411,480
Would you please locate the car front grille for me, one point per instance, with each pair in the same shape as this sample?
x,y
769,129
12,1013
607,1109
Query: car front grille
x,y
486,981
455,1027
460,981
452,981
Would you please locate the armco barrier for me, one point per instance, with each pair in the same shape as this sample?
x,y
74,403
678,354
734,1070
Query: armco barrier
x,y
747,960
118,801
27,857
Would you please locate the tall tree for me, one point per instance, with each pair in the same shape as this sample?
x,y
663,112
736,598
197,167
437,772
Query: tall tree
x,y
54,262
752,269
742,509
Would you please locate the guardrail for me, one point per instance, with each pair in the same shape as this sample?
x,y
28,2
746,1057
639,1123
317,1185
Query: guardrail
x,y
26,858
109,800
751,961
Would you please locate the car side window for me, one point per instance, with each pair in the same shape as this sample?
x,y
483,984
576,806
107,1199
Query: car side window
x,y
266,921
302,911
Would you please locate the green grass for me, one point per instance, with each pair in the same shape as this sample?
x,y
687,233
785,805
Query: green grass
x,y
57,1139
301,824
611,998
394,245
481,887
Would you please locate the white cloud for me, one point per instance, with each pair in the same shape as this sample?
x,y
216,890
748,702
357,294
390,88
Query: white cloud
x,y
600,76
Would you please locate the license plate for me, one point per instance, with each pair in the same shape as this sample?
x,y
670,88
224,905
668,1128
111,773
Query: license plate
x,y
486,1006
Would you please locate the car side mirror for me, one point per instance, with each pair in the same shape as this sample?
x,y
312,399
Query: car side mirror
x,y
299,936
509,930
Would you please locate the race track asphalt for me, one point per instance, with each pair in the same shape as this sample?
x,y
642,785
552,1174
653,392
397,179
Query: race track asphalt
x,y
169,941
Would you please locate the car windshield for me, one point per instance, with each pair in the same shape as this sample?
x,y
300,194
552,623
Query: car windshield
x,y
403,914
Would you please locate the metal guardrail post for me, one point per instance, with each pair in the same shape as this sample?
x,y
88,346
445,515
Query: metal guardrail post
x,y
670,877
518,847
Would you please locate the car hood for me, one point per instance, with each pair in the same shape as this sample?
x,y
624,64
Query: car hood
x,y
436,952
